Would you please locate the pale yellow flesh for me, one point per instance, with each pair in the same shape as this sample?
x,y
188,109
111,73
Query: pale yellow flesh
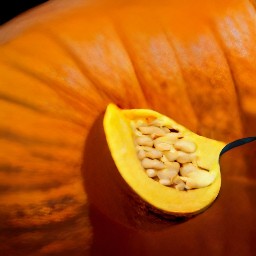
x,y
119,137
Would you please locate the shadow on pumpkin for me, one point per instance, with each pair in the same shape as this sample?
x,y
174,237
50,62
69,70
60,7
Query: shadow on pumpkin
x,y
123,225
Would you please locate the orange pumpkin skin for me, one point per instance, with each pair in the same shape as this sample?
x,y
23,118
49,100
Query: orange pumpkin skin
x,y
193,62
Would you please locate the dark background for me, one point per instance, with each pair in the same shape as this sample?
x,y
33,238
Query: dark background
x,y
11,8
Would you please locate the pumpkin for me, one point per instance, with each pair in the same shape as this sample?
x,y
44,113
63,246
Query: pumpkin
x,y
62,63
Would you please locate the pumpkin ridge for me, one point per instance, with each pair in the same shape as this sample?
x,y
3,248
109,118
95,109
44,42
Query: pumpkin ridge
x,y
253,3
120,34
29,140
160,83
72,98
192,93
44,186
67,48
216,36
36,212
100,88
21,103
15,100
169,40
71,235
10,169
236,30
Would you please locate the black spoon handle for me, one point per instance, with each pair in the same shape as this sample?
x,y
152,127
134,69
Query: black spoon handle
x,y
237,143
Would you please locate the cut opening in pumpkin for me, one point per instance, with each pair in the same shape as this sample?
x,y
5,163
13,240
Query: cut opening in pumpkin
x,y
183,167
168,156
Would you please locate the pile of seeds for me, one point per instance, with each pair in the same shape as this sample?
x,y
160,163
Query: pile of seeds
x,y
167,156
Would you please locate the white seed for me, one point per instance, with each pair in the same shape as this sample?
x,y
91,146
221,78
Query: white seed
x,y
173,166
169,138
152,130
183,178
185,146
187,168
152,164
166,129
173,135
153,153
141,154
199,179
144,141
185,157
166,174
164,159
157,122
151,173
162,146
171,155
145,148
181,186
137,133
177,180
161,123
172,148
165,182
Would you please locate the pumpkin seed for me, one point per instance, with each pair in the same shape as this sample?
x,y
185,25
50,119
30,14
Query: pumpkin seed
x,y
199,179
165,182
148,130
153,153
165,154
181,186
152,164
144,141
151,173
171,155
162,146
157,122
141,154
185,146
185,157
166,174
177,180
173,165
187,168
169,138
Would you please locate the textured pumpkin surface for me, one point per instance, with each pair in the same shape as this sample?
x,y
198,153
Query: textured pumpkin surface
x,y
61,64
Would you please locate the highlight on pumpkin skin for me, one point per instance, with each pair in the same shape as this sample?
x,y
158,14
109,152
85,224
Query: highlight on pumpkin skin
x,y
166,165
